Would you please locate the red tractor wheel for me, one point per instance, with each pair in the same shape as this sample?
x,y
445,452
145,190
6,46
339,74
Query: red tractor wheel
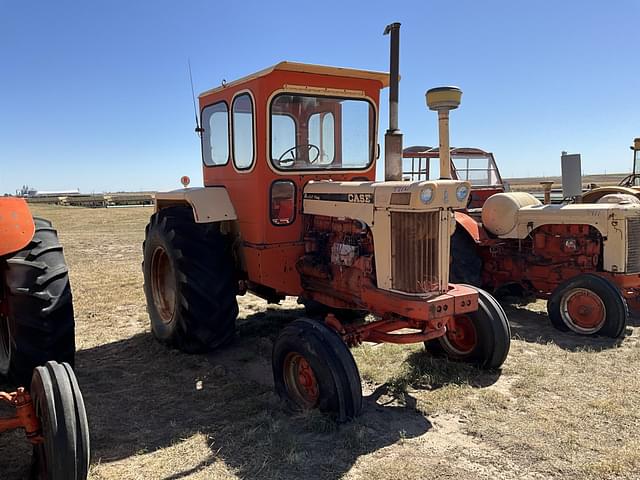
x,y
64,454
313,368
588,305
461,337
481,338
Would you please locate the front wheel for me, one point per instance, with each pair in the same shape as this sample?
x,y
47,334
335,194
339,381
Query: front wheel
x,y
588,305
481,338
58,403
314,369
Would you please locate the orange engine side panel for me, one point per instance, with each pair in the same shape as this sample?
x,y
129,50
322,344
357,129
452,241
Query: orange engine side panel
x,y
16,225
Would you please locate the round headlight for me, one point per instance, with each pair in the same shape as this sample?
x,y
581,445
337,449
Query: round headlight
x,y
461,192
426,195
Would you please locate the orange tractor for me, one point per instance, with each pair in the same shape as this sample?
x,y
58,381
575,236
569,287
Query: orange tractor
x,y
37,332
583,258
291,207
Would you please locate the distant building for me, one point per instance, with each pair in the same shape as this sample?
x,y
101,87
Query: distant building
x,y
55,193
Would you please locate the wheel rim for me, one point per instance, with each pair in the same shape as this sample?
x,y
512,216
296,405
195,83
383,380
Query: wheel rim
x,y
582,310
461,337
300,381
163,284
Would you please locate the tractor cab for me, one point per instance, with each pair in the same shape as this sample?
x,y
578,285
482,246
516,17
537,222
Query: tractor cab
x,y
266,136
633,180
473,165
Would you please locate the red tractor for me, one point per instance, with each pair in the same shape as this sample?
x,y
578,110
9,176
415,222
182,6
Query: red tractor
x,y
583,258
36,333
291,207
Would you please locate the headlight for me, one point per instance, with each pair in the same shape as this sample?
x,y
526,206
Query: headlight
x,y
426,195
461,192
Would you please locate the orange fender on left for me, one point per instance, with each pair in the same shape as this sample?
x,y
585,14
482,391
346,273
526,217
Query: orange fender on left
x,y
16,225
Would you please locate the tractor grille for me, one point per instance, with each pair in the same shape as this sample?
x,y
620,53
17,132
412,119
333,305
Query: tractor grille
x,y
633,245
414,251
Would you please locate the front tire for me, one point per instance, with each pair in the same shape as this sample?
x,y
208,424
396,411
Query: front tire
x,y
189,282
59,406
36,309
588,305
481,338
314,369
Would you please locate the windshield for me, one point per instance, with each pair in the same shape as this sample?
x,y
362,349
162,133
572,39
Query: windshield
x,y
317,132
481,171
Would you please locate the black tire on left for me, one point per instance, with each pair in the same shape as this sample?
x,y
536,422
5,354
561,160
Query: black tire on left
x,y
38,325
489,330
59,406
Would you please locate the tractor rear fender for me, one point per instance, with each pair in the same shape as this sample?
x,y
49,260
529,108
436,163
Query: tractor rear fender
x,y
16,225
209,204
474,228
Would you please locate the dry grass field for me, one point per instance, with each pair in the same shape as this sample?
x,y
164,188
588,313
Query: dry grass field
x,y
532,184
562,406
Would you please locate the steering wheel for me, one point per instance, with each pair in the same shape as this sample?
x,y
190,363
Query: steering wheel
x,y
293,151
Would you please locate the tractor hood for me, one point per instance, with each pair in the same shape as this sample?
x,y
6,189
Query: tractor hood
x,y
601,216
358,200
516,215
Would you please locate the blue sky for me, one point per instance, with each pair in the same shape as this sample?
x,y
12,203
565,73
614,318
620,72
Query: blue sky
x,y
96,95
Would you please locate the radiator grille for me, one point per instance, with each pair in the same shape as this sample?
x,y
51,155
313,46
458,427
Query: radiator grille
x,y
633,245
414,251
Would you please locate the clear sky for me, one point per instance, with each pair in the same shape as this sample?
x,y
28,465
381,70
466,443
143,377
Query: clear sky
x,y
95,94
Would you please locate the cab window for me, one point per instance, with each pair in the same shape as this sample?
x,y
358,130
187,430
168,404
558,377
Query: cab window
x,y
242,118
215,137
321,133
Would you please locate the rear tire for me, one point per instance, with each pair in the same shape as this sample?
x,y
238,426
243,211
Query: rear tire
x,y
38,323
189,282
481,338
59,406
588,305
313,368
466,264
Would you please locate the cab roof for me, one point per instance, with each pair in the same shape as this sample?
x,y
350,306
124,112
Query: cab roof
x,y
433,152
382,77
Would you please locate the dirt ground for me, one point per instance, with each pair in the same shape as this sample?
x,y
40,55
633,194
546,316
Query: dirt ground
x,y
562,407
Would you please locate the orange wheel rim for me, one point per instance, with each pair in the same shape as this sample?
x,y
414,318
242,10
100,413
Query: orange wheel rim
x,y
582,310
163,284
461,337
300,381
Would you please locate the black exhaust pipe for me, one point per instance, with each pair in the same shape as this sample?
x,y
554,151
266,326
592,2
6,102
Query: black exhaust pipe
x,y
393,136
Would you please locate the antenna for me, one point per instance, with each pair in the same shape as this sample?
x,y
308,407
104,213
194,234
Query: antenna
x,y
199,129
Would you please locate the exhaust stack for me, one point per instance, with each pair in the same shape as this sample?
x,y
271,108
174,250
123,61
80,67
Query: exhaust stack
x,y
443,99
393,136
